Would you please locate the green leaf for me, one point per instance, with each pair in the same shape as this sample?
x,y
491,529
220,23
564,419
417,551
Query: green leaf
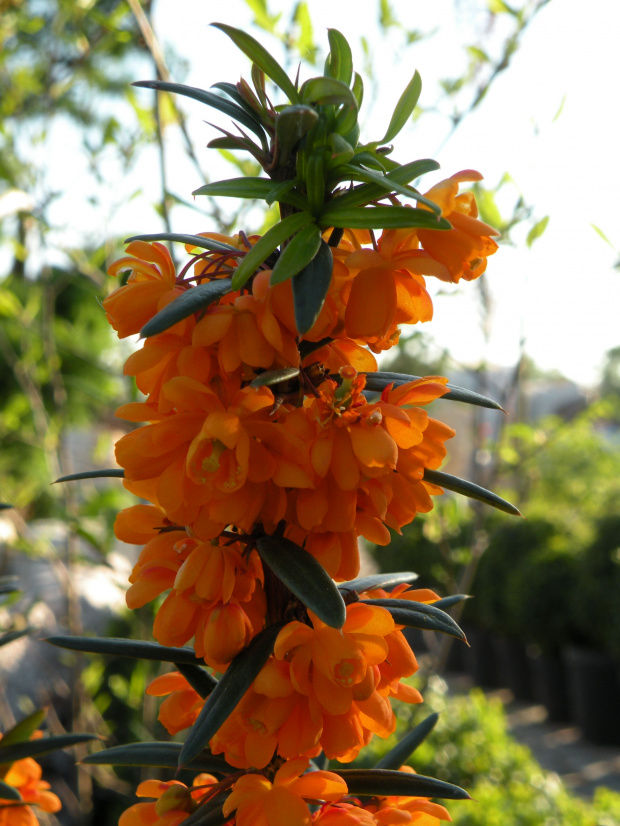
x,y
339,63
200,680
193,240
4,506
274,377
270,241
297,254
209,814
315,178
471,490
327,91
379,381
22,731
9,792
401,175
310,288
380,217
187,303
231,90
292,123
217,102
11,636
404,108
537,230
254,188
119,647
106,473
397,756
385,783
306,578
356,173
418,615
261,57
239,676
367,583
45,745
163,755
341,151
448,602
358,89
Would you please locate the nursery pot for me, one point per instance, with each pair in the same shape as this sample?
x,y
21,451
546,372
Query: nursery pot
x,y
594,693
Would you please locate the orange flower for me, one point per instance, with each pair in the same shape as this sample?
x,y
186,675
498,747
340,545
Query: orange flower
x,y
393,811
463,250
25,776
150,287
258,802
343,814
174,802
182,704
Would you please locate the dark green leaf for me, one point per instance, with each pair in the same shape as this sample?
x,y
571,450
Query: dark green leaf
x,y
380,217
310,288
9,792
45,745
448,602
358,89
210,99
188,303
401,175
231,90
253,188
23,730
339,63
326,91
261,57
350,172
305,577
11,636
106,473
193,240
164,755
270,241
209,814
119,647
341,151
239,676
367,583
274,377
418,615
471,490
379,381
397,756
292,123
199,679
6,507
404,108
297,254
385,783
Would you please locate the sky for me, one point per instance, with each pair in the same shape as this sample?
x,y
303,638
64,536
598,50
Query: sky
x,y
551,122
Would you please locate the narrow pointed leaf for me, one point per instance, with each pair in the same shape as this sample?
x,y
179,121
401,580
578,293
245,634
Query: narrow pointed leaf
x,y
9,792
358,89
292,123
350,172
274,377
339,62
231,90
164,755
418,615
401,175
471,490
253,188
379,381
230,689
310,288
326,91
4,506
106,473
188,303
305,577
380,217
385,581
210,99
401,752
37,748
119,647
448,602
385,783
22,731
404,108
11,636
200,680
270,241
297,254
211,814
193,240
261,57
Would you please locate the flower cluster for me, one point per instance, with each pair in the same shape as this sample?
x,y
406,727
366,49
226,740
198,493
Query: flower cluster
x,y
25,777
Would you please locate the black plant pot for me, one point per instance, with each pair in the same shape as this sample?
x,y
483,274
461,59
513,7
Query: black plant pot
x,y
550,678
594,692
481,658
514,667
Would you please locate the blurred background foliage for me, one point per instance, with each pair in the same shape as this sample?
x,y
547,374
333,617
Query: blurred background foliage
x,y
65,69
